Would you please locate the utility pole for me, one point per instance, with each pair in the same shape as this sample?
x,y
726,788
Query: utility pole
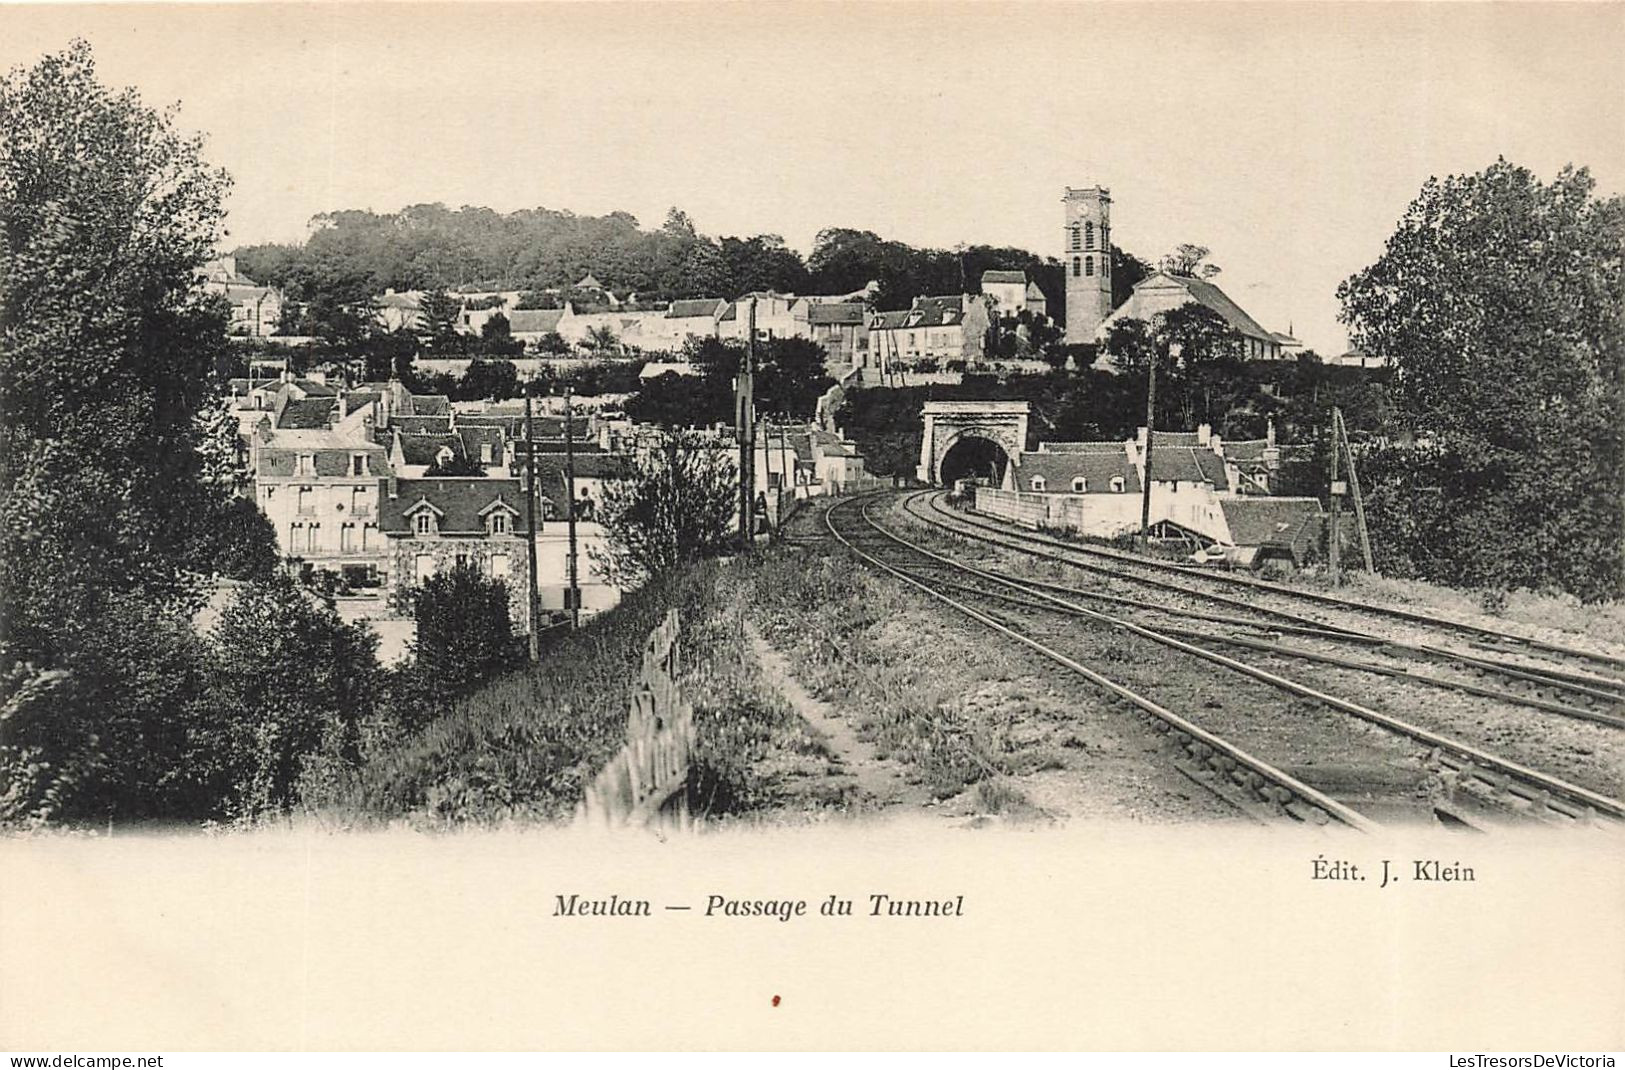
x,y
1145,477
745,412
1354,487
574,592
1334,538
530,541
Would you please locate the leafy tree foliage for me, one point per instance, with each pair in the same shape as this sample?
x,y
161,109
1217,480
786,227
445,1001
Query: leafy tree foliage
x,y
1191,261
790,377
1127,271
118,495
497,340
678,504
438,315
291,682
488,380
464,639
105,212
1498,300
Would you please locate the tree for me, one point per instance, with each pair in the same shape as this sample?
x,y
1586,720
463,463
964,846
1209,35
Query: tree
x,y
553,343
105,213
488,380
1190,260
438,316
1127,271
1497,301
496,338
602,339
1131,345
291,683
790,377
678,503
464,638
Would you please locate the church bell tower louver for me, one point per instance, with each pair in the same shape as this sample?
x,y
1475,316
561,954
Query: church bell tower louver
x,y
1087,257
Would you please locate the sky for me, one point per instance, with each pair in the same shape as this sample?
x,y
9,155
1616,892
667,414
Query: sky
x,y
1286,137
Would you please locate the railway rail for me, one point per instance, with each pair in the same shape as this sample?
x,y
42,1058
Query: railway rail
x,y
1488,779
1603,697
1490,637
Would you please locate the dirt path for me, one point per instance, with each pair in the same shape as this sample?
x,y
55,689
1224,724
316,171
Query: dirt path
x,y
880,782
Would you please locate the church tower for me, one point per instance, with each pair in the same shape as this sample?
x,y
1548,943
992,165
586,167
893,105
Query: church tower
x,y
1086,244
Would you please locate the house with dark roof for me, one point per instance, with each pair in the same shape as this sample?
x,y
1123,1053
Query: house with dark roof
x,y
434,525
319,489
1096,487
1163,291
841,327
1261,528
933,329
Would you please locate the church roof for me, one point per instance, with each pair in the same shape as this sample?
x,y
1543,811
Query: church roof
x,y
1206,293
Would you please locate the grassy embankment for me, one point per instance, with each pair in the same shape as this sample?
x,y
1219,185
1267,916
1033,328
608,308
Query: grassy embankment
x,y
952,715
522,748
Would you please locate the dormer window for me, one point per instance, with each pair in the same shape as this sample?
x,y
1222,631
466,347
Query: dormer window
x,y
1038,483
1080,485
1117,484
443,456
424,524
358,464
498,523
485,453
306,465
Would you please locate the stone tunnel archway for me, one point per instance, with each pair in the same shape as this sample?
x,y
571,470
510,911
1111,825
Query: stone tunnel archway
x,y
973,438
973,456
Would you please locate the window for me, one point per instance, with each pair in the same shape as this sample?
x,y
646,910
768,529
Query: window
x,y
499,523
1038,483
1117,484
499,566
307,500
1075,242
1079,485
346,538
314,531
307,464
369,536
296,536
424,566
1088,265
1088,235
359,506
1077,267
424,524
358,464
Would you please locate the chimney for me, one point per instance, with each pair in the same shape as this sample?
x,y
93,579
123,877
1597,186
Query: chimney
x,y
1269,431
1204,434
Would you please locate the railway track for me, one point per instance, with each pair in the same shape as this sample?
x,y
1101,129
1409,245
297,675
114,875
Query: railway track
x,y
1455,782
1491,638
1558,689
